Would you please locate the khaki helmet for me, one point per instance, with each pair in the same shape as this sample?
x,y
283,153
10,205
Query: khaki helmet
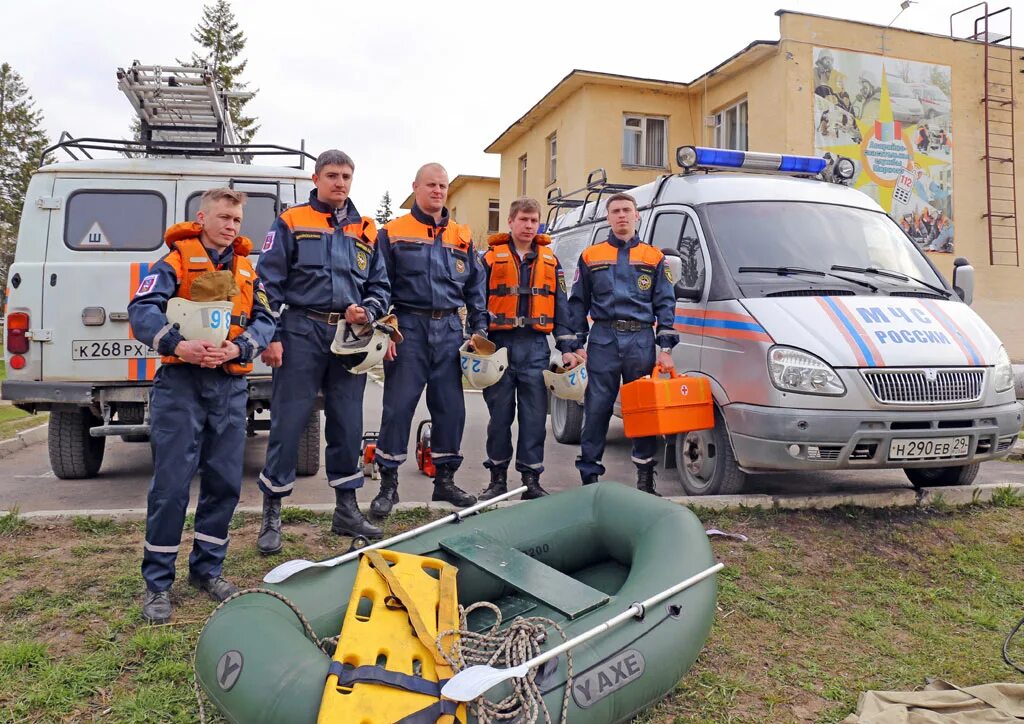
x,y
485,364
206,321
567,384
362,346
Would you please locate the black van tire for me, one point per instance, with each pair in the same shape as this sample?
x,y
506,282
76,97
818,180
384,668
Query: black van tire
x,y
947,475
74,454
705,462
566,420
309,447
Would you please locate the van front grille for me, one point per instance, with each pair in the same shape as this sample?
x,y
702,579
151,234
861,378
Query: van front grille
x,y
926,386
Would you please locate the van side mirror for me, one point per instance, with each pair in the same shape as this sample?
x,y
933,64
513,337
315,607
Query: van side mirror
x,y
963,279
674,263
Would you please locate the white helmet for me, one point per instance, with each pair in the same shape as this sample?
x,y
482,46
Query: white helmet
x,y
485,365
567,384
207,321
362,346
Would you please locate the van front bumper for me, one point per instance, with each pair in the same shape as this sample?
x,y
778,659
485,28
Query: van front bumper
x,y
768,438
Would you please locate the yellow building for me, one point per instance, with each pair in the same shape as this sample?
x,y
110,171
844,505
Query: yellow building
x,y
909,108
473,200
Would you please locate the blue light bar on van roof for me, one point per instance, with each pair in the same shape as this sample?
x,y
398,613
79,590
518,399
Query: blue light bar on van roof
x,y
693,157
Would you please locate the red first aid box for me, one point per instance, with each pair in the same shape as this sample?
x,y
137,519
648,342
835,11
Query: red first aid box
x,y
656,405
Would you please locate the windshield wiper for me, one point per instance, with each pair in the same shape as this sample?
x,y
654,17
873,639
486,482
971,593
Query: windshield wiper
x,y
787,270
889,274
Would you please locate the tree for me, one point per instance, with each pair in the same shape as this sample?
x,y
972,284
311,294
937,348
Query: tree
x,y
22,142
384,210
218,34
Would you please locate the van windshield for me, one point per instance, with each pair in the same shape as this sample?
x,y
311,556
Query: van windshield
x,y
812,236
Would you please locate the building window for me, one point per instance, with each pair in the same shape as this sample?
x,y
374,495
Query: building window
x,y
644,141
493,209
552,158
731,127
522,175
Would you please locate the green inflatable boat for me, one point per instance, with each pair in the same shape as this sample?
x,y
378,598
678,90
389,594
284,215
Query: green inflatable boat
x,y
578,558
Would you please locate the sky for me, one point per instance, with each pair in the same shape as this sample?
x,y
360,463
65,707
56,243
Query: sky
x,y
395,84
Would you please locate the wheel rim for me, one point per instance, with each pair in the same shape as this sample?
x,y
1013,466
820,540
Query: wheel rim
x,y
698,459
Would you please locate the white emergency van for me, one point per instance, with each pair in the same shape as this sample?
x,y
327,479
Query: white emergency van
x,y
90,230
830,339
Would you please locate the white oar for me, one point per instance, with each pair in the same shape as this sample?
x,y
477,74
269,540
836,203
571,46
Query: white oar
x,y
470,683
289,568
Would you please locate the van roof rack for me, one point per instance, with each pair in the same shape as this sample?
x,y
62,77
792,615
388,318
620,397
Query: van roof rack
x,y
182,111
597,184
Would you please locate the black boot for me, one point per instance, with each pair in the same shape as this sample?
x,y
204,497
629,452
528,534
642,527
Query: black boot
x,y
269,540
446,490
498,486
348,519
590,479
388,495
645,480
531,480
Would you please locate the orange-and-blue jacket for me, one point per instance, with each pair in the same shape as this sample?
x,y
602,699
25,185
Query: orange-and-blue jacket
x,y
624,280
325,259
147,312
434,266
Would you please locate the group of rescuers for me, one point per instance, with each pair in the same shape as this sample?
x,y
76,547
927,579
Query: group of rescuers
x,y
321,265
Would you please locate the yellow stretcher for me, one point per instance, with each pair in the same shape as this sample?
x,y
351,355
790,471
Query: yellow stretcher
x,y
386,667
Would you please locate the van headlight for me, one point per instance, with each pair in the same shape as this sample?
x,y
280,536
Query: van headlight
x,y
1002,372
793,370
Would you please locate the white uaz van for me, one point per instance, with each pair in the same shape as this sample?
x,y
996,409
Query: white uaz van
x,y
829,338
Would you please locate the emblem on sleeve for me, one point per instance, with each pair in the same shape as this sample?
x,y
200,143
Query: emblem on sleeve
x,y
361,260
643,282
146,286
460,266
268,243
668,274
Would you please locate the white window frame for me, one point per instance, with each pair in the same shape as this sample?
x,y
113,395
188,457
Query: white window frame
x,y
642,161
521,168
552,157
740,128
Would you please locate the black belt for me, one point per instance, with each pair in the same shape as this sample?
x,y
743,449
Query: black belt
x,y
432,313
317,315
625,325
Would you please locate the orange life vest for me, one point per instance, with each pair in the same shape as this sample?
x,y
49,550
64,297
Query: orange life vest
x,y
189,259
503,291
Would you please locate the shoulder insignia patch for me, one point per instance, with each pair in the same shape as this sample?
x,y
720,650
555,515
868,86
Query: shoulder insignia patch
x,y
460,266
268,243
643,282
147,285
668,274
362,261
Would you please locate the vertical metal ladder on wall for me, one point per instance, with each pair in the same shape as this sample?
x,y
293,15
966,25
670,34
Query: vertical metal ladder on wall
x,y
182,109
998,104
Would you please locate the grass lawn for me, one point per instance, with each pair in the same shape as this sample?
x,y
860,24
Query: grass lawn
x,y
816,607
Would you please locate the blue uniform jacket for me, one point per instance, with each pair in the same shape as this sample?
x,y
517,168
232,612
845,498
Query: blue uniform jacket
x,y
147,312
624,291
434,275
316,257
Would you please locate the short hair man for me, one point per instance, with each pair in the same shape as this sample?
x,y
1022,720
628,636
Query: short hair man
x,y
625,287
322,259
526,301
198,402
434,271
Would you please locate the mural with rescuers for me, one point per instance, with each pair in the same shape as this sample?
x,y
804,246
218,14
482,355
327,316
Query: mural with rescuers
x,y
333,296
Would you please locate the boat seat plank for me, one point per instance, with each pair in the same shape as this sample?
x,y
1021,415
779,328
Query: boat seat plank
x,y
533,578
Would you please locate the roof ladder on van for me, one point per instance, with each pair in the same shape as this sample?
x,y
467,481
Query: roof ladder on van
x,y
997,102
182,109
597,186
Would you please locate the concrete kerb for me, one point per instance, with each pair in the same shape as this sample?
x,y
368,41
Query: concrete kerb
x,y
23,439
951,496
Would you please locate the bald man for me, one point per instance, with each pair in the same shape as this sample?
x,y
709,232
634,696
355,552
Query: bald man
x,y
433,271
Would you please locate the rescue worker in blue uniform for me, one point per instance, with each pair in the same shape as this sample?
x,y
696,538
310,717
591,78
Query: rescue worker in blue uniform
x,y
526,300
434,271
626,288
198,401
322,260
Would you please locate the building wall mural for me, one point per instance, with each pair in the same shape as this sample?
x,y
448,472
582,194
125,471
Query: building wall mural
x,y
893,118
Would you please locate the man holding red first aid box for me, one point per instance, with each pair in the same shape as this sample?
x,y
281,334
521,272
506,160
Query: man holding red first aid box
x,y
625,287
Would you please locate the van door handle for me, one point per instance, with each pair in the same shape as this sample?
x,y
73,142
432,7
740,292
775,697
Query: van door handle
x,y
53,280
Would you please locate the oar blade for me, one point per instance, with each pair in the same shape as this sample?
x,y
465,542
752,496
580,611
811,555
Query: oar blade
x,y
286,570
470,683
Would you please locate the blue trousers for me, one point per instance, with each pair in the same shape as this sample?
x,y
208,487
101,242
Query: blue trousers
x,y
428,357
197,423
309,366
519,393
613,358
